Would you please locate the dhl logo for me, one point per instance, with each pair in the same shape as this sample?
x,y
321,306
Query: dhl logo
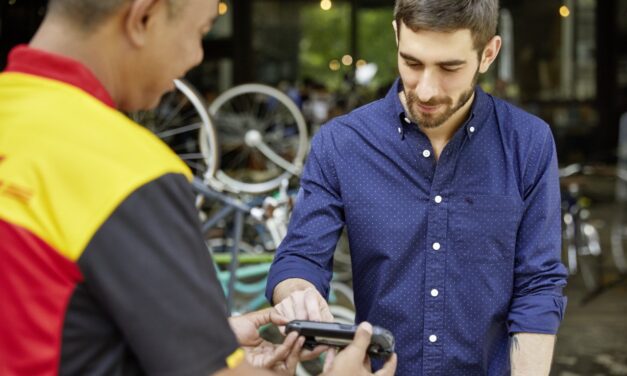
x,y
13,190
16,192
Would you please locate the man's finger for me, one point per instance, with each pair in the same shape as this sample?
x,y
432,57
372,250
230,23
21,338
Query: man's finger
x,y
389,367
312,305
325,313
286,308
362,338
298,300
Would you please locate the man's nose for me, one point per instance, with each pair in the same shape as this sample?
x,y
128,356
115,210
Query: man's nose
x,y
427,87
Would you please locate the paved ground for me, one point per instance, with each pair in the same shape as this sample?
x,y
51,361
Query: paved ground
x,y
593,337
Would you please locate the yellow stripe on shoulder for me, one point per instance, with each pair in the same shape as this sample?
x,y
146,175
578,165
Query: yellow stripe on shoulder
x,y
70,160
236,358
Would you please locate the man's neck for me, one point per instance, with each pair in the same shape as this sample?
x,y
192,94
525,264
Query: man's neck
x,y
84,48
442,134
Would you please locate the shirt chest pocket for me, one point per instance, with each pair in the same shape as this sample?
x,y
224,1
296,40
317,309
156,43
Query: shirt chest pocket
x,y
484,228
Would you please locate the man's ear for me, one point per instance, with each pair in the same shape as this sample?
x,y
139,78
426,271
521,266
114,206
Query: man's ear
x,y
395,27
490,52
140,15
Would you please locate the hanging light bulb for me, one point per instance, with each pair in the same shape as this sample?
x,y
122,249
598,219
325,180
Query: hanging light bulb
x,y
326,4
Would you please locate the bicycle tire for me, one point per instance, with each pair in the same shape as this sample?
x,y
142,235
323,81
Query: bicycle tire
x,y
247,132
181,120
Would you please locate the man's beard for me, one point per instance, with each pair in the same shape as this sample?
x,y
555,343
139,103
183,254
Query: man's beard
x,y
435,120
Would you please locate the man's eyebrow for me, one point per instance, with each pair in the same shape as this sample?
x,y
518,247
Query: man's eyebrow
x,y
408,57
454,62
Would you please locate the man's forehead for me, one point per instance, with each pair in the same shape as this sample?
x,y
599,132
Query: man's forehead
x,y
460,34
453,43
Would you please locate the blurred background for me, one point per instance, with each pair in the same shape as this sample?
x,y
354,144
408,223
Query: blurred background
x,y
563,60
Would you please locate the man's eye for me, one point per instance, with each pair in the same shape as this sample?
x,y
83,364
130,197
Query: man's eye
x,y
412,64
450,70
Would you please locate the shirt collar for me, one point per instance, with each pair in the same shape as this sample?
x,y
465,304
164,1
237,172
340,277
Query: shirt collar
x,y
25,59
480,109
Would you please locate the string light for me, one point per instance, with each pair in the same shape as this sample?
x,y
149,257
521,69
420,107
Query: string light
x,y
564,11
326,4
360,63
334,65
222,8
347,60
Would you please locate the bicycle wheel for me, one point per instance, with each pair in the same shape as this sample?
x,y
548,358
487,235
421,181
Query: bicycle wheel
x,y
181,121
263,138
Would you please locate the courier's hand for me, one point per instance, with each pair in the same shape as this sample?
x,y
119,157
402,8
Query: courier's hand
x,y
246,327
261,353
353,359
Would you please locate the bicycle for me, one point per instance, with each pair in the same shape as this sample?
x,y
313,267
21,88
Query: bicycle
x,y
581,239
234,118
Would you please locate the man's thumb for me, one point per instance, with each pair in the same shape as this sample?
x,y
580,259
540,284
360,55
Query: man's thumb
x,y
362,336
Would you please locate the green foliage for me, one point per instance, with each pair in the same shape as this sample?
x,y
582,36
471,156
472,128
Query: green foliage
x,y
326,37
377,43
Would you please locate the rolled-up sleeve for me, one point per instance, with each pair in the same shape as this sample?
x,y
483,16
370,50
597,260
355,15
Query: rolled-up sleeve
x,y
315,225
539,276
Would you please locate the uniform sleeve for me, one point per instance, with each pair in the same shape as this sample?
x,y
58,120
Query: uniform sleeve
x,y
539,276
148,266
315,225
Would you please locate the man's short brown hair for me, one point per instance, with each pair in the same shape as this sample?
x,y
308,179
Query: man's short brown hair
x,y
480,16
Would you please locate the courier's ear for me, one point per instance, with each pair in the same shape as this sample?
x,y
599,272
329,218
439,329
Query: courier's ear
x,y
142,18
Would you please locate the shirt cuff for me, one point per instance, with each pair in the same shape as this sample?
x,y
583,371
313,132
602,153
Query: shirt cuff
x,y
536,314
285,269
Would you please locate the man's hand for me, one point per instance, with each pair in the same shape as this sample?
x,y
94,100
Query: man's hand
x,y
353,360
306,304
261,353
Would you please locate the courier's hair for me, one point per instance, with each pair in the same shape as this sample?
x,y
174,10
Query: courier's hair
x,y
480,16
87,14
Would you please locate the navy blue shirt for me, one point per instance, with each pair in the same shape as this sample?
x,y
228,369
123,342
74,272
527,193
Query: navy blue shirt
x,y
454,255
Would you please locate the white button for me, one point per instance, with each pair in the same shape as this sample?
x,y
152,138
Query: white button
x,y
407,120
434,293
400,130
436,246
438,199
433,338
472,129
426,153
